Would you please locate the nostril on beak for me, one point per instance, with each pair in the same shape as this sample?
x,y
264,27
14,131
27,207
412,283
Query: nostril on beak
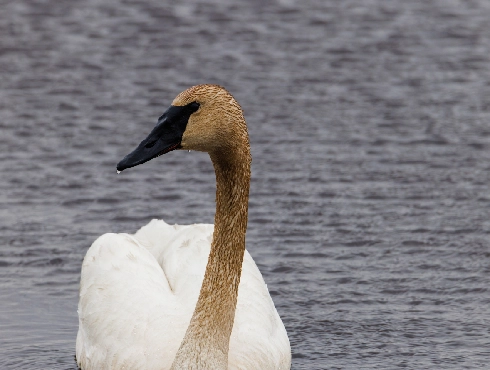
x,y
150,143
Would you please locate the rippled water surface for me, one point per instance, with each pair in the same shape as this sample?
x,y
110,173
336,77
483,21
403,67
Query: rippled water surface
x,y
370,127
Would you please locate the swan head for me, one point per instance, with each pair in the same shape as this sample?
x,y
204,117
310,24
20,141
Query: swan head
x,y
204,118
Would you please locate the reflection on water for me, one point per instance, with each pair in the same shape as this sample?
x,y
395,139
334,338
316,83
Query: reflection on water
x,y
370,134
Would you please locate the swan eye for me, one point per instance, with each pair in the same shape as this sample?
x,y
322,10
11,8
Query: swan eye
x,y
194,106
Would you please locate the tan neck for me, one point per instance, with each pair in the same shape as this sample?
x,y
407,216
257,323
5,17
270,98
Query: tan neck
x,y
205,344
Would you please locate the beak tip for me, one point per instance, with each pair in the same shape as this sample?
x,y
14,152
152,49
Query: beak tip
x,y
121,166
132,159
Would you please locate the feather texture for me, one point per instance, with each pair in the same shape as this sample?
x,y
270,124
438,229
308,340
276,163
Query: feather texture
x,y
138,293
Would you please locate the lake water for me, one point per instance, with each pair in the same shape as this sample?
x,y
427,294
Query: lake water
x,y
370,131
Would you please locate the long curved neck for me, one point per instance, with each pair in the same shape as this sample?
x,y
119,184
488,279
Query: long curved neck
x,y
205,344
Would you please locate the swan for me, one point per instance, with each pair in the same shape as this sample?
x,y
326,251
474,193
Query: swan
x,y
184,297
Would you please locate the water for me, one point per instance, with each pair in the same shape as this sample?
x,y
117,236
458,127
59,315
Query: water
x,y
369,122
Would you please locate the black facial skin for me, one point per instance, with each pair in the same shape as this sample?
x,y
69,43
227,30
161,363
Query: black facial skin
x,y
165,137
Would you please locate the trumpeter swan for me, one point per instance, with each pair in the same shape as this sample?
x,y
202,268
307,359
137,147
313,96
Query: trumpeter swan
x,y
138,293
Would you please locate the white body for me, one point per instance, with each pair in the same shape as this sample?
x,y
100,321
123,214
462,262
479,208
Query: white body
x,y
138,293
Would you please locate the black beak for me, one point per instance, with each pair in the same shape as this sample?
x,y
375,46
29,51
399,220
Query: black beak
x,y
165,137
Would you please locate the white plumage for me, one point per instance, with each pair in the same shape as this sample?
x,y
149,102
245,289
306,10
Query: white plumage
x,y
138,293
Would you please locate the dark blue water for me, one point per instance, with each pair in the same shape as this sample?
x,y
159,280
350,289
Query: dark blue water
x,y
370,131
